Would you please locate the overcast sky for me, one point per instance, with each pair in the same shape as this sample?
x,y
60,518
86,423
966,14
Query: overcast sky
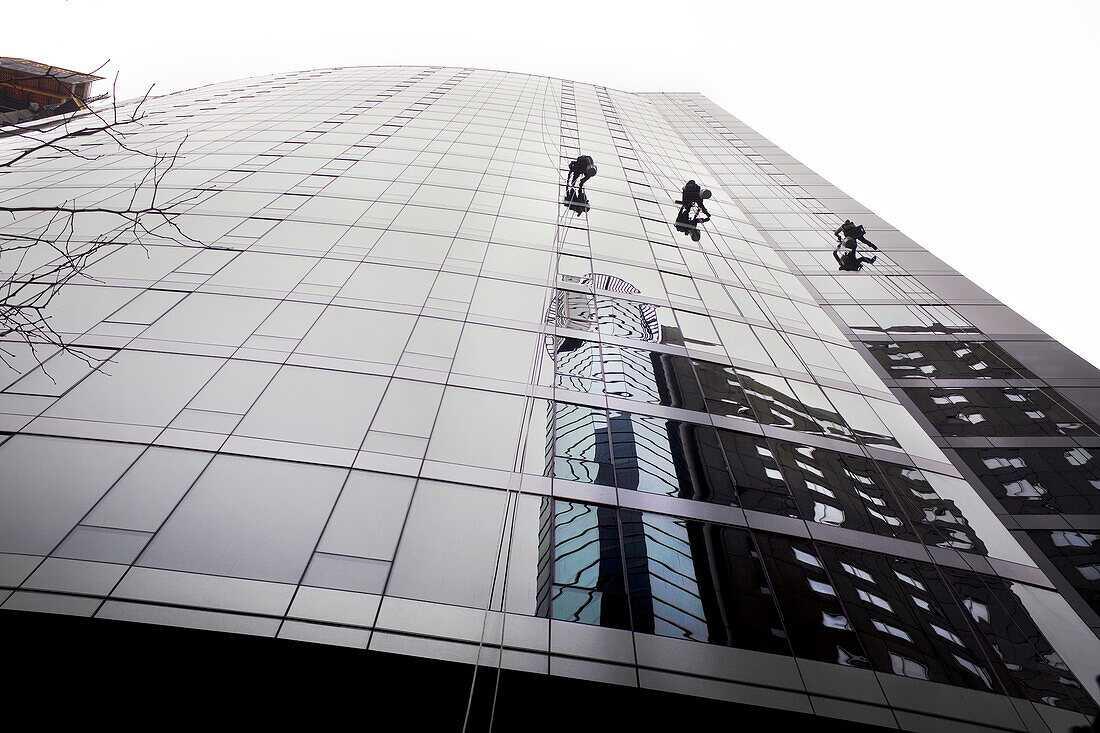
x,y
971,126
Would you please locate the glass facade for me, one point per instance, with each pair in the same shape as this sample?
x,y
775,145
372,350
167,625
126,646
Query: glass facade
x,y
390,391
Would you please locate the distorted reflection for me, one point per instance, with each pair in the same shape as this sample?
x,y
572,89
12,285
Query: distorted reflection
x,y
948,626
670,379
947,360
1031,666
691,579
580,565
699,462
1077,555
907,319
687,223
855,492
998,411
583,310
577,202
686,579
638,452
655,377
1039,480
848,260
776,402
692,460
721,390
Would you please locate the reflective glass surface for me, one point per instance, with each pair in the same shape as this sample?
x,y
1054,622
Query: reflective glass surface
x,y
991,411
947,360
386,376
1039,480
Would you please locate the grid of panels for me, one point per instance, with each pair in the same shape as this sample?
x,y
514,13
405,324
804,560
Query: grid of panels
x,y
362,407
1013,409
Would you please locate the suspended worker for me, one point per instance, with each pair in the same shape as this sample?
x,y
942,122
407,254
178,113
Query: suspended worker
x,y
582,168
853,232
693,194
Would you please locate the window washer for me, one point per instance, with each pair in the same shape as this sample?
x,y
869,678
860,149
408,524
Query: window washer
x,y
853,232
848,261
693,194
582,166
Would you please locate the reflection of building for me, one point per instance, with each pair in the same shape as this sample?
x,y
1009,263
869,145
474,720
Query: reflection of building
x,y
647,453
616,449
409,417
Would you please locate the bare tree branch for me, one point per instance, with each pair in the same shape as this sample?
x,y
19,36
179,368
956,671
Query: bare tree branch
x,y
44,248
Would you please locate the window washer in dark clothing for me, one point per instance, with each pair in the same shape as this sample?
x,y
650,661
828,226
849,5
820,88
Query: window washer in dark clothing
x,y
693,194
582,168
848,261
854,232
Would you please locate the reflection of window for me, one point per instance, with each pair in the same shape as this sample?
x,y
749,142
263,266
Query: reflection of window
x,y
1024,488
1090,572
853,570
874,600
1073,539
873,499
1078,456
835,621
827,514
1003,462
892,630
946,360
979,611
947,634
1004,412
805,557
908,667
893,521
970,666
911,581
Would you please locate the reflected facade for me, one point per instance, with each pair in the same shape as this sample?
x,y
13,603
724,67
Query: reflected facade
x,y
396,392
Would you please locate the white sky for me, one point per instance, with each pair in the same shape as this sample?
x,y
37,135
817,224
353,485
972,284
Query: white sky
x,y
970,125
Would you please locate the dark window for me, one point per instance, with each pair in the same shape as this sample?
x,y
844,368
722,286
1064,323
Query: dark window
x,y
1027,661
947,360
998,411
756,474
1039,480
908,620
842,490
1077,556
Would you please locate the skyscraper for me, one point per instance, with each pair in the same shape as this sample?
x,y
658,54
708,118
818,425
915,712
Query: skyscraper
x,y
372,386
